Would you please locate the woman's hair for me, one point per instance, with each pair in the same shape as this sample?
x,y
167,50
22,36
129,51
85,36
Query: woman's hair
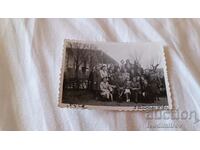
x,y
103,66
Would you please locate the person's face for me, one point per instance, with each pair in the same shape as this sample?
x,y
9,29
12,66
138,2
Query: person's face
x,y
122,61
104,68
134,79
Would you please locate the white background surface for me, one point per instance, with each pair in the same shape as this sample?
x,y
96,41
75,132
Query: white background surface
x,y
30,57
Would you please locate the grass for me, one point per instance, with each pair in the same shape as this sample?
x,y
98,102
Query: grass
x,y
88,98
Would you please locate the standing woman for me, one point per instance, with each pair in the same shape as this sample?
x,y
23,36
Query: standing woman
x,y
104,72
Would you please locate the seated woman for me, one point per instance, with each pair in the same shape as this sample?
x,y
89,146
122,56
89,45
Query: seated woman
x,y
106,89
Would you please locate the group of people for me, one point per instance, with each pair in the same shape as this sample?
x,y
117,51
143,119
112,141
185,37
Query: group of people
x,y
125,82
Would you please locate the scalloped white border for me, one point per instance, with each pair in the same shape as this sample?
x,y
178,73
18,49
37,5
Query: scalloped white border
x,y
114,108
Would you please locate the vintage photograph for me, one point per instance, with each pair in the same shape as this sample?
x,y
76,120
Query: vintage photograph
x,y
115,76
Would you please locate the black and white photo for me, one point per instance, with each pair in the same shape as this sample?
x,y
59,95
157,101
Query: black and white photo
x,y
115,76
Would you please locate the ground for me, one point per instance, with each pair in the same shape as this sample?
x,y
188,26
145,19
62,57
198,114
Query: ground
x,y
88,98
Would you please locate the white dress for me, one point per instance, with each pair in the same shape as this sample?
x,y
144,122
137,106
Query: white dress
x,y
104,74
105,88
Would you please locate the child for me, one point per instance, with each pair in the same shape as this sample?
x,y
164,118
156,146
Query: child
x,y
127,89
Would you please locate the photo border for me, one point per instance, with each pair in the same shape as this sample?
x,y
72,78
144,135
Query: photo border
x,y
113,108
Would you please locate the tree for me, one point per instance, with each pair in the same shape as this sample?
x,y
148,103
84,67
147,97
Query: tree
x,y
81,53
154,64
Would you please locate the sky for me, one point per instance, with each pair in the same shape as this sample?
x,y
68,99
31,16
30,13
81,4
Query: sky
x,y
147,52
